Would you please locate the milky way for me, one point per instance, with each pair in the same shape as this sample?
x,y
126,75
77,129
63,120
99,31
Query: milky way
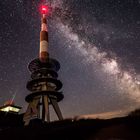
x,y
96,42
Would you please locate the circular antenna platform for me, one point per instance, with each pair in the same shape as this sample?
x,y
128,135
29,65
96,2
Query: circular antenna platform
x,y
50,63
43,71
32,83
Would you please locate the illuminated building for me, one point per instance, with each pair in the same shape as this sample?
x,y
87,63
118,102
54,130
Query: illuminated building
x,y
10,107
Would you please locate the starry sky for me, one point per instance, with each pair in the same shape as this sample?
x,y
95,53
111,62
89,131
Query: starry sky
x,y
97,43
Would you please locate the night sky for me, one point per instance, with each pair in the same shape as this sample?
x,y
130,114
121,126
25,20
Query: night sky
x,y
97,43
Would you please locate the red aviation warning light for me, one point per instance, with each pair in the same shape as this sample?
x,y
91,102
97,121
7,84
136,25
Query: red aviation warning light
x,y
45,9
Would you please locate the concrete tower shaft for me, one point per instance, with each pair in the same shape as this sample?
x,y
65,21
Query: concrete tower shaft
x,y
43,53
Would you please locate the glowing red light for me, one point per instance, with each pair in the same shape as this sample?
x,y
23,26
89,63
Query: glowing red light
x,y
45,9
